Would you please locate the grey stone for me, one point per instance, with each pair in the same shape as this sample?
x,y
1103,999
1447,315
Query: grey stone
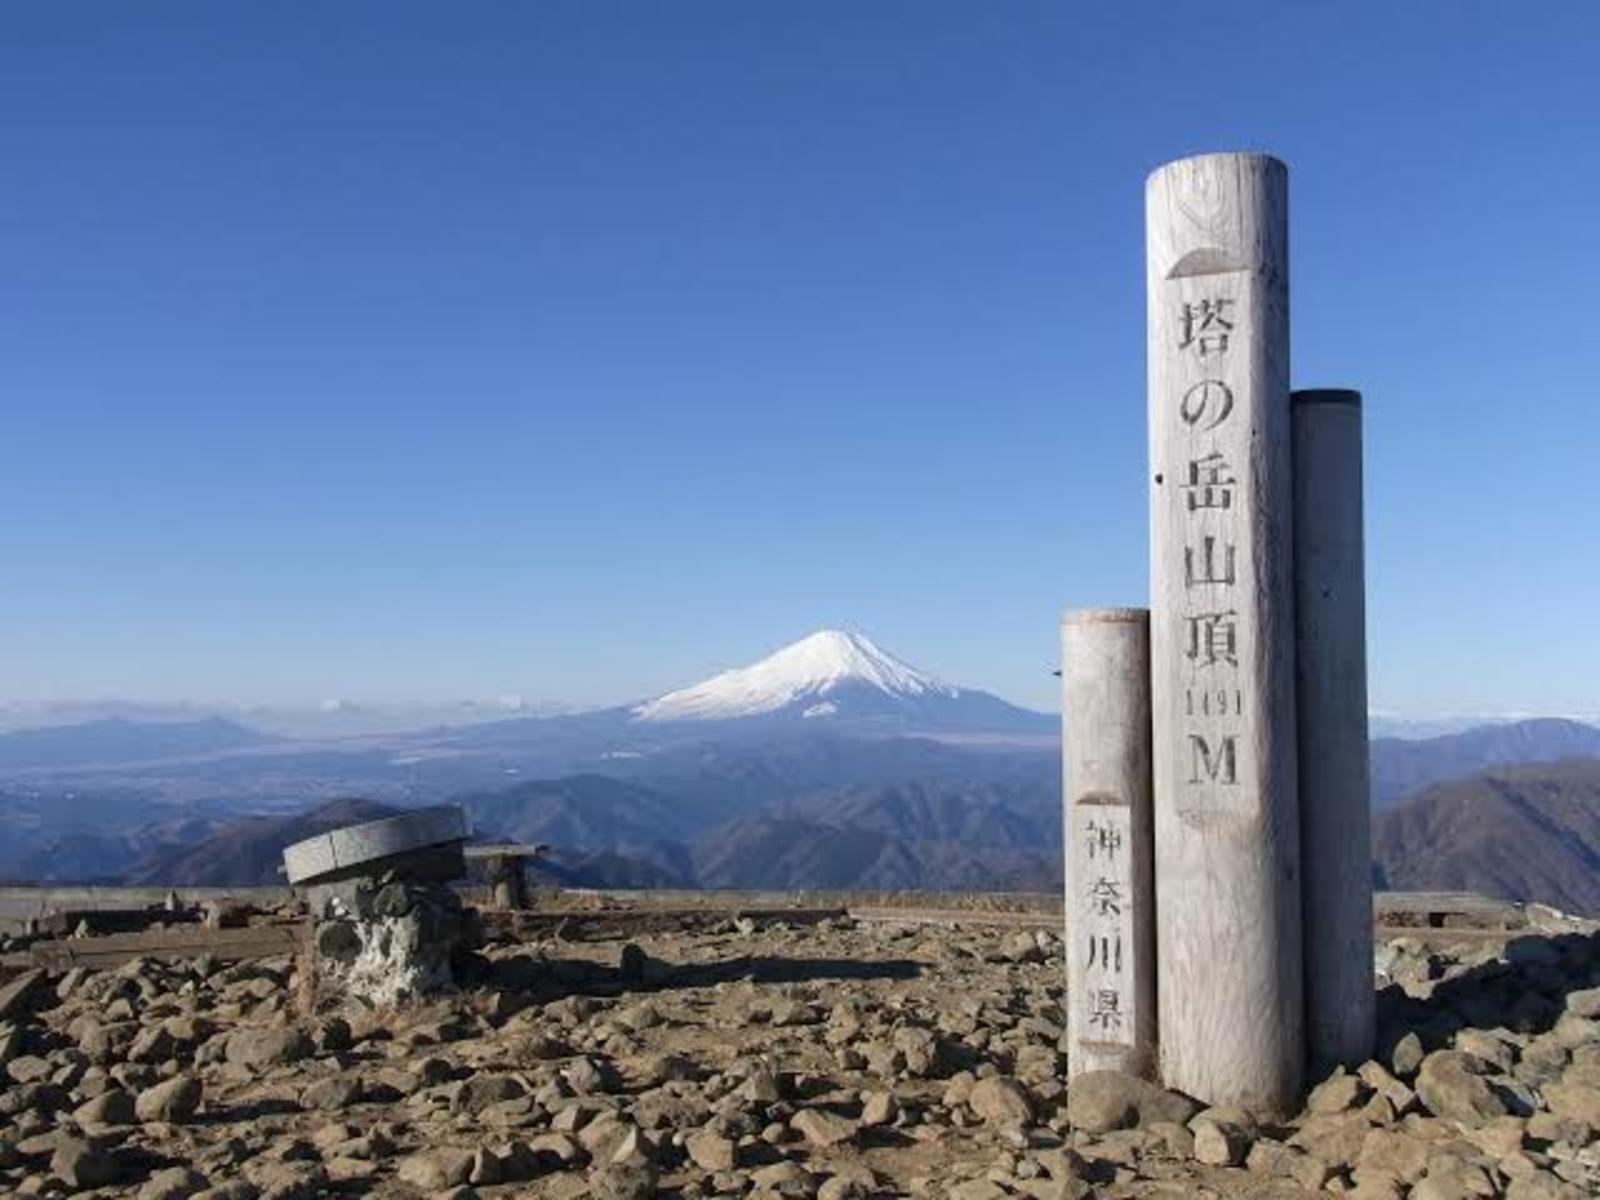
x,y
1001,1101
586,1077
438,1168
623,1181
1220,1143
1450,1083
879,1108
977,1189
174,1101
1391,1154
479,1091
1335,1095
848,1183
81,1165
1021,947
853,1185
785,1178
175,1183
153,1045
259,1049
1576,1102
28,1068
760,1087
233,1189
710,1151
340,1091
1407,1056
822,1128
111,1107
1100,1101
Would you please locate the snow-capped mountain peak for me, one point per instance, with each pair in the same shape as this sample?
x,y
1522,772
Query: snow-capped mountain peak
x,y
805,670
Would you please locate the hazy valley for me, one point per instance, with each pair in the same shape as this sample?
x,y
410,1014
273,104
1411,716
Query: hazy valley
x,y
829,764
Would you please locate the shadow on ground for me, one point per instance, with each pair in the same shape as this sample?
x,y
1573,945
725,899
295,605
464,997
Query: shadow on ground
x,y
1525,991
552,979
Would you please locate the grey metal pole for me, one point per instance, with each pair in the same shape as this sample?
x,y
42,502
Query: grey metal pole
x,y
1331,693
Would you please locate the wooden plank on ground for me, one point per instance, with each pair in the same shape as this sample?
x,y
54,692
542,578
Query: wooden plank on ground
x,y
576,924
1442,904
958,916
259,941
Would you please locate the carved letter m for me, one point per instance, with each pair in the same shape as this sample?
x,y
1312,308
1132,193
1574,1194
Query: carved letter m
x,y
1219,766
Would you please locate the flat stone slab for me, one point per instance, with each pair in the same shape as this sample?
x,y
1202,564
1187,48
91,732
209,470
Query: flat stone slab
x,y
340,849
505,850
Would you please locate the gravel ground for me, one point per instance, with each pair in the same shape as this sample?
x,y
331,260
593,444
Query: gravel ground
x,y
837,1060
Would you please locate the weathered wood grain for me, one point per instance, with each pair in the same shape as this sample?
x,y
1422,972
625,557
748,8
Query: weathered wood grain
x,y
1109,900
1222,628
256,941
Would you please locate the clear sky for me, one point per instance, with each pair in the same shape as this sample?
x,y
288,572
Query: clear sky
x,y
579,349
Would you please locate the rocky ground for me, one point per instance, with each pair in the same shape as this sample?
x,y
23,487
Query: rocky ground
x,y
834,1060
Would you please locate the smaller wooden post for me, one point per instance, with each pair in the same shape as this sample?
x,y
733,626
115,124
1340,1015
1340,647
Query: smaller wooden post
x,y
1331,693
509,889
1110,905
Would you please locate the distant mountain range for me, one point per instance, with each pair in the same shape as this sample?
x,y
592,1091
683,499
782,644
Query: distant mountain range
x,y
829,763
1529,832
248,850
1401,767
116,740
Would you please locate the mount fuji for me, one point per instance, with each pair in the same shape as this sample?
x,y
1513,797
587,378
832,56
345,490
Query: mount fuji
x,y
835,678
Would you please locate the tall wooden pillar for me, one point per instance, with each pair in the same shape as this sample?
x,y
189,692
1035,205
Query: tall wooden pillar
x,y
1227,839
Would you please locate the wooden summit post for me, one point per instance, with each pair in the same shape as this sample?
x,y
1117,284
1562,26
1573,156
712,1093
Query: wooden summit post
x,y
1227,838
1110,908
1331,695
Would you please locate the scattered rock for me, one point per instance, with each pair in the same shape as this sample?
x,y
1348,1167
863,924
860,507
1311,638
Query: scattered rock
x,y
879,1108
437,1169
259,1049
176,1183
1451,1084
112,1107
857,1184
1021,947
1391,1154
341,1091
174,1101
1408,1055
1336,1094
822,1128
1220,1143
1100,1101
479,1091
1577,1102
978,1189
757,1081
710,1151
629,1181
1001,1101
81,1165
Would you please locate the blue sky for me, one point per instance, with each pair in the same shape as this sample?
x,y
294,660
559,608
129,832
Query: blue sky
x,y
581,349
